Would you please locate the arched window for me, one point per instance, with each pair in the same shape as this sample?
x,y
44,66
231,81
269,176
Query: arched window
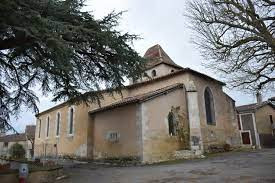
x,y
48,126
57,124
209,107
154,73
172,124
39,130
71,120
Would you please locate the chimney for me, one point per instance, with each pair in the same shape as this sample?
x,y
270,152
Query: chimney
x,y
259,97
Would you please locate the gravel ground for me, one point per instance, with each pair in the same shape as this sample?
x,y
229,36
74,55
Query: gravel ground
x,y
253,166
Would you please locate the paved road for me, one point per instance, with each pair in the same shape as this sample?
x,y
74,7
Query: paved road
x,y
255,166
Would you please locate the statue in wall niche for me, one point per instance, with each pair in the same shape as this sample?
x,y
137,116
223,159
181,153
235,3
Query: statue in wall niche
x,y
179,126
195,140
213,135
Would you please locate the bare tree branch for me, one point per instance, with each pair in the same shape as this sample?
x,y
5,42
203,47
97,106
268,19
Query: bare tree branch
x,y
237,39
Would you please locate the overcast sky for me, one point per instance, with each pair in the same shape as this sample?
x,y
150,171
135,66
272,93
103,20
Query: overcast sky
x,y
157,22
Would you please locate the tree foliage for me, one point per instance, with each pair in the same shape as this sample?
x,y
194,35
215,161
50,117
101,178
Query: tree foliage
x,y
64,51
237,38
17,151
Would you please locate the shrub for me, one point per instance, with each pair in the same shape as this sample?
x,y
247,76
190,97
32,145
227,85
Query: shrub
x,y
17,151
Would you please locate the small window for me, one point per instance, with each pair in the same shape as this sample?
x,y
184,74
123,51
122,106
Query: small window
x,y
172,124
57,124
154,73
172,70
6,144
113,136
48,127
71,121
271,119
39,130
209,107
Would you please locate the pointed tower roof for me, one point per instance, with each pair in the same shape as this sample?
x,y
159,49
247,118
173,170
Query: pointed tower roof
x,y
156,55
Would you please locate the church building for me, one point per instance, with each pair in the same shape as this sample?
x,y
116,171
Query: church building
x,y
170,109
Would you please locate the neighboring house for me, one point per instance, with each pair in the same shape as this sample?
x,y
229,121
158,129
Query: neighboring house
x,y
25,139
169,109
257,123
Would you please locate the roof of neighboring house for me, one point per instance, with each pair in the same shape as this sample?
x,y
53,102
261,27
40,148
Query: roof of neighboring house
x,y
272,99
156,55
253,107
30,131
139,98
13,138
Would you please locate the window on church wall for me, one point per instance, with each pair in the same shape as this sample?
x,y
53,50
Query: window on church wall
x,y
57,124
154,73
271,119
71,121
272,125
39,130
209,107
172,124
48,126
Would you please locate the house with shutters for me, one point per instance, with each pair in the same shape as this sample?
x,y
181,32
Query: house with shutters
x,y
168,110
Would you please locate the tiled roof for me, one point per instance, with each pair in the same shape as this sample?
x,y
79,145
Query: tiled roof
x,y
138,98
253,107
181,71
156,55
13,138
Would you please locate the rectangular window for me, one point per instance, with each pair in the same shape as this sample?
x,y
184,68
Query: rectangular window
x,y
57,124
6,144
39,130
113,136
48,126
71,121
271,119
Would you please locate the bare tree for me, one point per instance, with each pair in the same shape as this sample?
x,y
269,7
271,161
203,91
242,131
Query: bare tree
x,y
236,38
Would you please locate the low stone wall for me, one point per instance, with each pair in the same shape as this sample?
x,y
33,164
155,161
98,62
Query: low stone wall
x,y
188,154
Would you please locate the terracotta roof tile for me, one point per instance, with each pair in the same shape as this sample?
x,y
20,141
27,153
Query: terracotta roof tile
x,y
183,70
253,107
156,55
13,138
138,98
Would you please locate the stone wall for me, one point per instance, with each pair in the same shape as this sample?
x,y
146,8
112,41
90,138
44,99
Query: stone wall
x,y
225,129
82,142
158,144
264,127
65,144
122,121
